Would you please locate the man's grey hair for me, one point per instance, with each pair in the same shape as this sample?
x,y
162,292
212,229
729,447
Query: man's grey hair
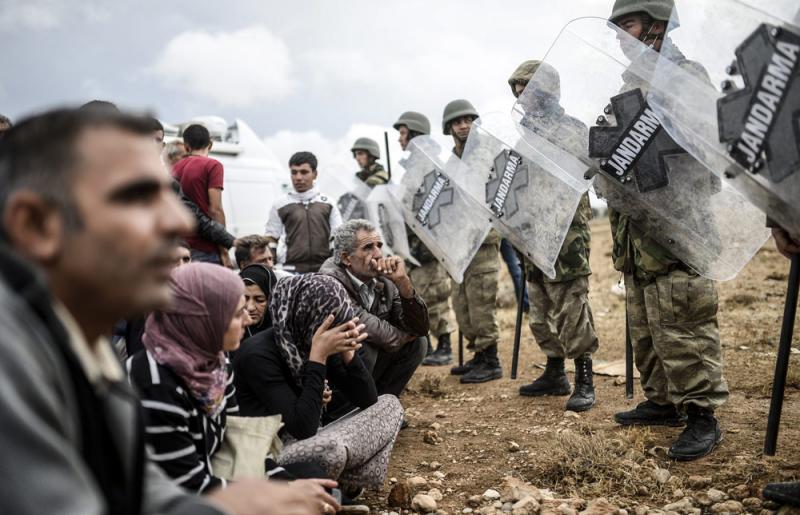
x,y
6,121
344,237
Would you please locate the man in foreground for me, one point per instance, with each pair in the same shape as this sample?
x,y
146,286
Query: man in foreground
x,y
89,229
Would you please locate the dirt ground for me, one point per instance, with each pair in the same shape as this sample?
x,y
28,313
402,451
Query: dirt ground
x,y
587,455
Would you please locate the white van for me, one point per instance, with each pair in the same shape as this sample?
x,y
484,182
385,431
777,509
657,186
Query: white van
x,y
254,178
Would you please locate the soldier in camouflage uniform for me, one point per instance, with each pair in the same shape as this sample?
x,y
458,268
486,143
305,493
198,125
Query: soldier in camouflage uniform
x,y
474,300
560,315
430,277
672,311
366,152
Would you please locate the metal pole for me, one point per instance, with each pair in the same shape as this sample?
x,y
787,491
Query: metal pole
x,y
460,349
628,358
518,324
388,158
782,363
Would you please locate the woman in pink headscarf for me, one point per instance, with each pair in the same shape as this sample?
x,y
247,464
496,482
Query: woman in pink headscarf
x,y
182,374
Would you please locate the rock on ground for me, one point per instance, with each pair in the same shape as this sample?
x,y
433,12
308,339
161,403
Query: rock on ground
x,y
601,506
491,495
728,507
423,503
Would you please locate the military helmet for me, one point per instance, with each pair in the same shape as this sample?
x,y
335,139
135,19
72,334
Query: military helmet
x,y
415,121
662,10
545,76
368,145
455,110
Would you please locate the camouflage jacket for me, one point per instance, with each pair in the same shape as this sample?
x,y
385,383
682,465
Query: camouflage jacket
x,y
373,175
634,251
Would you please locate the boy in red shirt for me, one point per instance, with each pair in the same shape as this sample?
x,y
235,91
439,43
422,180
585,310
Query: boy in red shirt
x,y
201,179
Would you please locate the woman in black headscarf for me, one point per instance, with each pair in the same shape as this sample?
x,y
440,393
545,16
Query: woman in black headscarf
x,y
259,282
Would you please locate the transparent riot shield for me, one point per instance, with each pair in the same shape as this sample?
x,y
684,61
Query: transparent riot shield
x,y
384,211
349,193
530,200
735,104
447,220
600,77
352,203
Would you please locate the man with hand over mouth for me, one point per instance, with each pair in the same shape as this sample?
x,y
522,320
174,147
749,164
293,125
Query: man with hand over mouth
x,y
386,302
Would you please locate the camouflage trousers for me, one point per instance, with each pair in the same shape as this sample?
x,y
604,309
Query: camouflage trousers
x,y
675,335
561,318
433,285
475,300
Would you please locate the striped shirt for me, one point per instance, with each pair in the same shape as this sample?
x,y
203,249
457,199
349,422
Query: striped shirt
x,y
180,437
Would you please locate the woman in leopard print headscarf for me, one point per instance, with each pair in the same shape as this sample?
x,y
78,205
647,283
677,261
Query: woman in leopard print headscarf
x,y
286,370
299,306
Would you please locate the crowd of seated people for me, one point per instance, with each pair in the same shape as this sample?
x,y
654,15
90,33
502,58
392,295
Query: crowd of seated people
x,y
135,427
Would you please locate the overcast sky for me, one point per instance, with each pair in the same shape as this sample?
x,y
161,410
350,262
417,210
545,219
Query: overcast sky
x,y
311,75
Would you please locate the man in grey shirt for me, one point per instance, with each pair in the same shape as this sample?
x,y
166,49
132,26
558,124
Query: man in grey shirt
x,y
89,225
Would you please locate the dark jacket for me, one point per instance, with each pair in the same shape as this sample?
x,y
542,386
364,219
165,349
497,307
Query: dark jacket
x,y
265,386
391,320
306,221
67,448
207,228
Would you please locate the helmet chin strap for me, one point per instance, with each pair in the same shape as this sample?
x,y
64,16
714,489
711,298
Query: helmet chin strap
x,y
649,36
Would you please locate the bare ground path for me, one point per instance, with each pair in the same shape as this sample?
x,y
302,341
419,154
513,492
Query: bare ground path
x,y
467,430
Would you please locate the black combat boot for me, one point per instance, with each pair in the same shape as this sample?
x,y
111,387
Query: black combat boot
x,y
783,493
552,382
460,370
430,347
649,413
701,435
487,370
582,398
443,354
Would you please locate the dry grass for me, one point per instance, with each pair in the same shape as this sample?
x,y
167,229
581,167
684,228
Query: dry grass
x,y
433,386
743,299
588,464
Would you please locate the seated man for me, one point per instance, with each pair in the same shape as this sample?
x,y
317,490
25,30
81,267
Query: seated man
x,y
252,250
395,317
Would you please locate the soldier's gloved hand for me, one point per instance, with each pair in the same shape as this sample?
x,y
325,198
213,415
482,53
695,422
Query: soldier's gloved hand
x,y
786,245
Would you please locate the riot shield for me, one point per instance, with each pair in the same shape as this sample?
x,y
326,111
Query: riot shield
x,y
736,108
384,211
349,192
601,78
352,203
447,220
529,200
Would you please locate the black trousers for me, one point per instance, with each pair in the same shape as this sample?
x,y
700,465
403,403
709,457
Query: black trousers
x,y
393,370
